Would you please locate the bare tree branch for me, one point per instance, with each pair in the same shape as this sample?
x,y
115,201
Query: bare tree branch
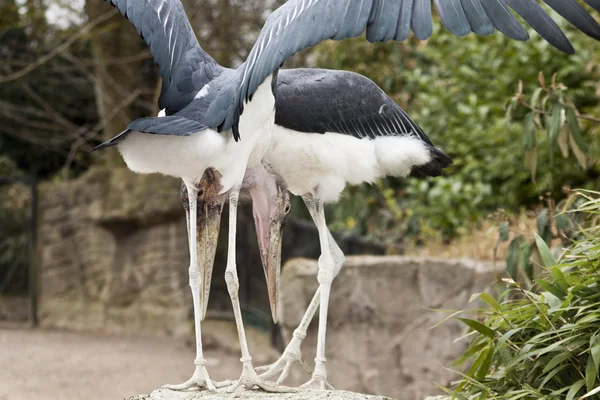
x,y
44,59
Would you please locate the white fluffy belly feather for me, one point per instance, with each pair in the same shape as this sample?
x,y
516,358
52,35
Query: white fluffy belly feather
x,y
188,157
310,162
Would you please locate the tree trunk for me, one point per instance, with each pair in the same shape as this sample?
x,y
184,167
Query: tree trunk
x,y
116,82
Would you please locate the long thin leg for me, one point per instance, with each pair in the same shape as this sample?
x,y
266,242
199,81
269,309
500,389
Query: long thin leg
x,y
200,378
327,271
249,378
292,353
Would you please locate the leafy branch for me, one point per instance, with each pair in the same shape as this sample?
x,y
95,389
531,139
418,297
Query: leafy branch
x,y
552,111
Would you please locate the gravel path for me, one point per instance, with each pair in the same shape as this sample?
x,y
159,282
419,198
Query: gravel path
x,y
56,365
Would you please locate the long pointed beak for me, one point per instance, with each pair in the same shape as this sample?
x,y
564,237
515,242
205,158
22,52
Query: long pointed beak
x,y
269,233
208,223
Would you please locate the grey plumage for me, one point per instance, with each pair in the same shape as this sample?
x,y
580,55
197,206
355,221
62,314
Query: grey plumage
x,y
576,15
187,70
184,67
595,4
478,20
299,24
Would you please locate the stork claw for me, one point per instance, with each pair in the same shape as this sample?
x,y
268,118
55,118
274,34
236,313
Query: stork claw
x,y
249,379
199,381
282,366
317,383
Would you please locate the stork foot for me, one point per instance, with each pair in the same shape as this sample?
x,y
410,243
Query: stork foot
x,y
250,380
198,381
317,383
290,356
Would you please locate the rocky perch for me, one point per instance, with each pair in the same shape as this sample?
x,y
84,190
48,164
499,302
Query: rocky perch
x,y
243,394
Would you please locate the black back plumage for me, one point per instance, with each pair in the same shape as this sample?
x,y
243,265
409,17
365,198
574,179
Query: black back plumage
x,y
320,100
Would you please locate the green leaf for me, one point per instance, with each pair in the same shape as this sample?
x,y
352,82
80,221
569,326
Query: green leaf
x,y
559,358
512,258
595,349
560,279
553,373
484,368
542,222
579,154
573,124
526,264
590,374
554,127
547,256
529,139
471,351
555,290
563,223
563,142
531,162
491,301
503,228
575,389
536,97
479,327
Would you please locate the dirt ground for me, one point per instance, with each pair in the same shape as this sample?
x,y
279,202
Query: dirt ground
x,y
56,365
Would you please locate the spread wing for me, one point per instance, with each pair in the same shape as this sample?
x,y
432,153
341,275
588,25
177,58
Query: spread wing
x,y
184,67
299,24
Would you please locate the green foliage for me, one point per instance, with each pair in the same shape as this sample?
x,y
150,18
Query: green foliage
x,y
554,224
545,342
456,89
552,110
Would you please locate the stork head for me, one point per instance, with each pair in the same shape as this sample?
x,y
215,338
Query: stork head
x,y
208,220
270,207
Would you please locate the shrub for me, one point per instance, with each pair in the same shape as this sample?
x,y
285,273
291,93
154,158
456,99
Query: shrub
x,y
542,343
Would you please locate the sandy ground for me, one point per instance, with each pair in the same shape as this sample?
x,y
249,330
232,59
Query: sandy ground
x,y
56,365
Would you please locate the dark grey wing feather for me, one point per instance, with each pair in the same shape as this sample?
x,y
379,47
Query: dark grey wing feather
x,y
184,67
169,125
535,16
404,19
319,101
503,20
595,4
421,22
576,15
453,16
479,21
299,24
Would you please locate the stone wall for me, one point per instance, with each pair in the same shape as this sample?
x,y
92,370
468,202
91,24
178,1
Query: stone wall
x,y
378,336
112,255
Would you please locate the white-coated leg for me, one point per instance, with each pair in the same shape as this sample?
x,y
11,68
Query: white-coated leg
x,y
327,271
292,353
200,379
249,378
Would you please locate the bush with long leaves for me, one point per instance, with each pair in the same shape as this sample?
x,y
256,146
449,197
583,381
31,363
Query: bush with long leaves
x,y
542,343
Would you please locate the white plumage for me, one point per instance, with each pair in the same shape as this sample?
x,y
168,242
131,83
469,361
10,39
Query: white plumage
x,y
327,162
188,157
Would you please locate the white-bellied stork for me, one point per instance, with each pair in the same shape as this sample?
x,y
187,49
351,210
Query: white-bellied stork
x,y
332,128
209,107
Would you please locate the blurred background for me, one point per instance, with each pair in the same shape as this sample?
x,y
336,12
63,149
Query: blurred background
x,y
97,256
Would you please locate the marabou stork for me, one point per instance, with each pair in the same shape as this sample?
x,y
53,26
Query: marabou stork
x,y
209,107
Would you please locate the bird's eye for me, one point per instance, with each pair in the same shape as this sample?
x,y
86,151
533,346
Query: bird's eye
x,y
287,208
200,192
